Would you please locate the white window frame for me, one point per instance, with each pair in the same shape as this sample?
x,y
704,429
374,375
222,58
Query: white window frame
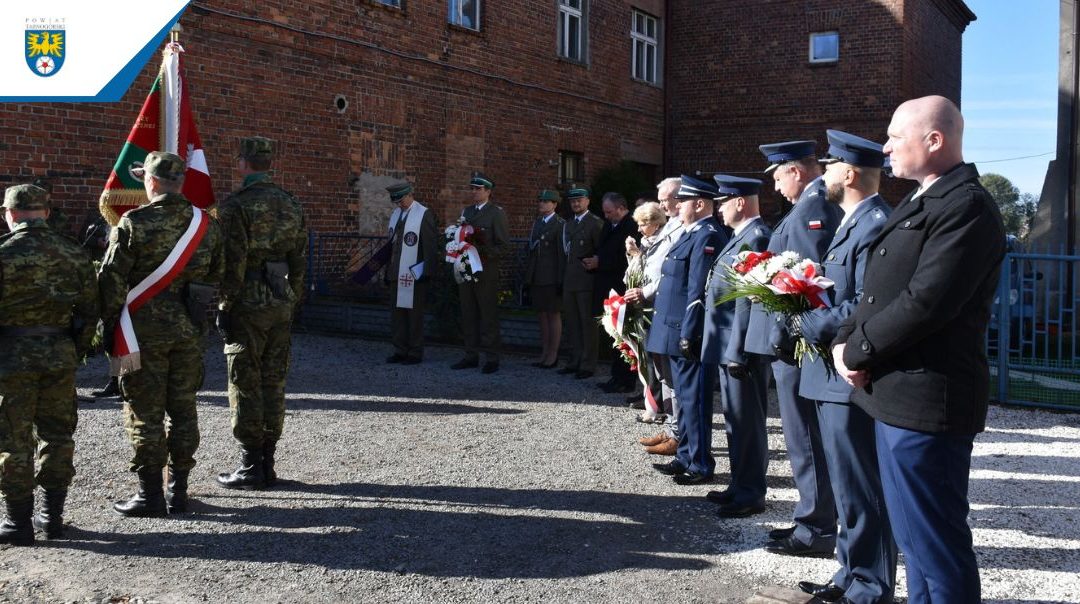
x,y
816,60
456,14
566,13
393,3
642,44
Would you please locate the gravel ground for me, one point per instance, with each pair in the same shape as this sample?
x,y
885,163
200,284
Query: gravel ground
x,y
422,484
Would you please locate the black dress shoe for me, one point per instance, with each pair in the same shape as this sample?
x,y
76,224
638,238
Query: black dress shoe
x,y
781,533
740,510
581,375
671,468
636,402
466,363
605,385
612,387
790,546
692,478
538,364
550,365
411,361
395,358
719,497
828,592
490,367
567,370
112,389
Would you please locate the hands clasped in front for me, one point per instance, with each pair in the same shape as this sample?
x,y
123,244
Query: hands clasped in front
x,y
858,378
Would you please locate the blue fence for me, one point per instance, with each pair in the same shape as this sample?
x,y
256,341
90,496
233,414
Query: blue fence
x,y
1032,341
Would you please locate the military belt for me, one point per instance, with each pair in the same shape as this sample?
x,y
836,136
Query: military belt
x,y
257,274
34,330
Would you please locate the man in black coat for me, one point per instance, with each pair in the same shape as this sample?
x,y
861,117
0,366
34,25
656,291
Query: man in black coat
x,y
915,347
610,266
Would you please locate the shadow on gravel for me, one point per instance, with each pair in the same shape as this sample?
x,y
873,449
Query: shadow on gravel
x,y
442,531
296,402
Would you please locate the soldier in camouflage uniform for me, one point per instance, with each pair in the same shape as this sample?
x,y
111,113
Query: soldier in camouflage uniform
x,y
265,251
48,310
169,328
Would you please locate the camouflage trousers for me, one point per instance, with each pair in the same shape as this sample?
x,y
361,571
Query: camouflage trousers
x,y
258,361
38,416
171,374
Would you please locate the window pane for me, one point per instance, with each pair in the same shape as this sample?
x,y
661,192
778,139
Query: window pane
x,y
650,29
574,39
650,69
825,47
470,14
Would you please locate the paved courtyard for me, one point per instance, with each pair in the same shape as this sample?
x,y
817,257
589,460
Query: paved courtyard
x,y
422,484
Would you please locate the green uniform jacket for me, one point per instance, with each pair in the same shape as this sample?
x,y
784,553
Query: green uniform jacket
x,y
492,233
261,223
582,241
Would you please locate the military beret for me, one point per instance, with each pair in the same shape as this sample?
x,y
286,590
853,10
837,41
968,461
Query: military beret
x,y
577,192
26,197
256,146
480,180
693,188
162,165
780,153
735,186
854,150
399,191
548,195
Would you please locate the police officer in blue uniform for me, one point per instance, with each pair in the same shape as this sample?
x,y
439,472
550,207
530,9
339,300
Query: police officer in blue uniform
x,y
678,328
807,229
864,543
743,375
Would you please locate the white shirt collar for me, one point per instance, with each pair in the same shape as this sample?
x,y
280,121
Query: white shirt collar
x,y
745,225
480,206
547,218
923,187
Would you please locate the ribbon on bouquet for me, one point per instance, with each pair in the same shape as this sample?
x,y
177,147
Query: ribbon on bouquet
x,y
806,283
615,314
462,248
125,353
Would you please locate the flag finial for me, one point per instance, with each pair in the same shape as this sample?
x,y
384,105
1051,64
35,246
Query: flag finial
x,y
174,33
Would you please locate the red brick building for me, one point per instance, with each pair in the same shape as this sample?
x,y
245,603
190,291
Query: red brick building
x,y
360,93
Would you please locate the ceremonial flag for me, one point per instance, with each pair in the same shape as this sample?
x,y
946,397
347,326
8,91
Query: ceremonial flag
x,y
165,123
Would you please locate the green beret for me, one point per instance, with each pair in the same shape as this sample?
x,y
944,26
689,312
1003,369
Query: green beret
x,y
479,180
256,146
548,195
577,192
399,191
26,197
162,165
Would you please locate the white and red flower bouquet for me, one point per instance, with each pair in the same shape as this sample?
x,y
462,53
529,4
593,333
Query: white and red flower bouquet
x,y
782,283
628,326
462,253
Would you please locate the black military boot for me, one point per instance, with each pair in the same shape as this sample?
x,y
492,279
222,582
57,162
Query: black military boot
x,y
111,390
269,475
249,474
149,502
50,520
18,528
176,496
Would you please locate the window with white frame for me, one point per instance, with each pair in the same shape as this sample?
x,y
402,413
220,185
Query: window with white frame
x,y
465,13
572,29
825,47
644,37
396,3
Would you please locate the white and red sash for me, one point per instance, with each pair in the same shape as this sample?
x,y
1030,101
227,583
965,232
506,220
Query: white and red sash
x,y
125,352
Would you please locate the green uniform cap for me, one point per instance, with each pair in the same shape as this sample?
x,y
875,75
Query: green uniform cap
x,y
548,195
479,180
399,191
577,192
162,165
26,197
256,146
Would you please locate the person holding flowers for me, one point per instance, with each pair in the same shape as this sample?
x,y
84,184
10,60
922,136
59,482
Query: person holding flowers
x,y
678,329
864,544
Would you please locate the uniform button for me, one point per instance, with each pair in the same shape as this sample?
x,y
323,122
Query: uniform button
x,y
865,346
870,299
907,224
832,257
881,251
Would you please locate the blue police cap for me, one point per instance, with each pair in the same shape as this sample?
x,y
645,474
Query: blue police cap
x,y
690,188
735,186
854,150
780,153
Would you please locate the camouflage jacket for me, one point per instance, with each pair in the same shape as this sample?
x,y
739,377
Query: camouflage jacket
x,y
139,244
45,281
261,222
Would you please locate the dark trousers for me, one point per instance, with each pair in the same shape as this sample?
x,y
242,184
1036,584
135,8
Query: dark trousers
x,y
407,324
925,480
745,407
864,543
480,316
815,514
581,329
694,385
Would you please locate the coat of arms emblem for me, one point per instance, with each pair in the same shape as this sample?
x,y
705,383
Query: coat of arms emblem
x,y
46,46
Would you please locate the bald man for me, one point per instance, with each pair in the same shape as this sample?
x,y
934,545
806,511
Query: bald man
x,y
914,349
